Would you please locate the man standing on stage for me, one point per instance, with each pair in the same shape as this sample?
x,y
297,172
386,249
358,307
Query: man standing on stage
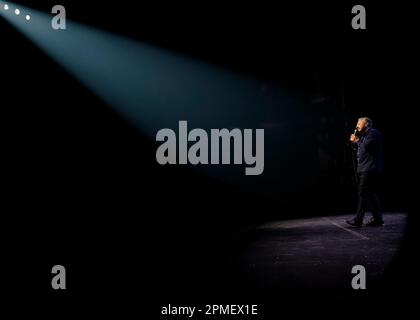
x,y
368,142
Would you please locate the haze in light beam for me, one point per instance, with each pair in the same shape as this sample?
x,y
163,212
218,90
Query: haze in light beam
x,y
149,86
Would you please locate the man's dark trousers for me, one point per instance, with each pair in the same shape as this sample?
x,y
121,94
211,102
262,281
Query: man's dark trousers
x,y
368,199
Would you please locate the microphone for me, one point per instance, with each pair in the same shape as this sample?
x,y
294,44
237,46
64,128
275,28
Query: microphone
x,y
355,133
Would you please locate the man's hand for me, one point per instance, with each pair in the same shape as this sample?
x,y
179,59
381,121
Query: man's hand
x,y
354,138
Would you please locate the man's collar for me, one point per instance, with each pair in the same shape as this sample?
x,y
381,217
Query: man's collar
x,y
366,132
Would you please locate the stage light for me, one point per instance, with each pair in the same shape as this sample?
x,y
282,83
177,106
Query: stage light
x,y
6,7
28,17
153,88
17,12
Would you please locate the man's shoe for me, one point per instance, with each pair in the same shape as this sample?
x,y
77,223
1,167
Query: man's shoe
x,y
375,223
354,222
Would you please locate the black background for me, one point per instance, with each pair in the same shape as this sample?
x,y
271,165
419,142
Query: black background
x,y
83,189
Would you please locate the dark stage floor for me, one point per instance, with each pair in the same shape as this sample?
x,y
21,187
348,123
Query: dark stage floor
x,y
313,253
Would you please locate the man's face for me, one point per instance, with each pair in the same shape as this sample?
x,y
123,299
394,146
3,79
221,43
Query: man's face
x,y
361,125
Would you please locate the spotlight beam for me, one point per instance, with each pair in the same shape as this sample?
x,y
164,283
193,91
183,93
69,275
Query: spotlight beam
x,y
150,87
153,88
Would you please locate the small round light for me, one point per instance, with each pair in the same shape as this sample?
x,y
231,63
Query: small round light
x,y
28,17
6,7
17,12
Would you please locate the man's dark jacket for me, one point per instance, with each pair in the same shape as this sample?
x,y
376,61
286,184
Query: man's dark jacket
x,y
369,152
